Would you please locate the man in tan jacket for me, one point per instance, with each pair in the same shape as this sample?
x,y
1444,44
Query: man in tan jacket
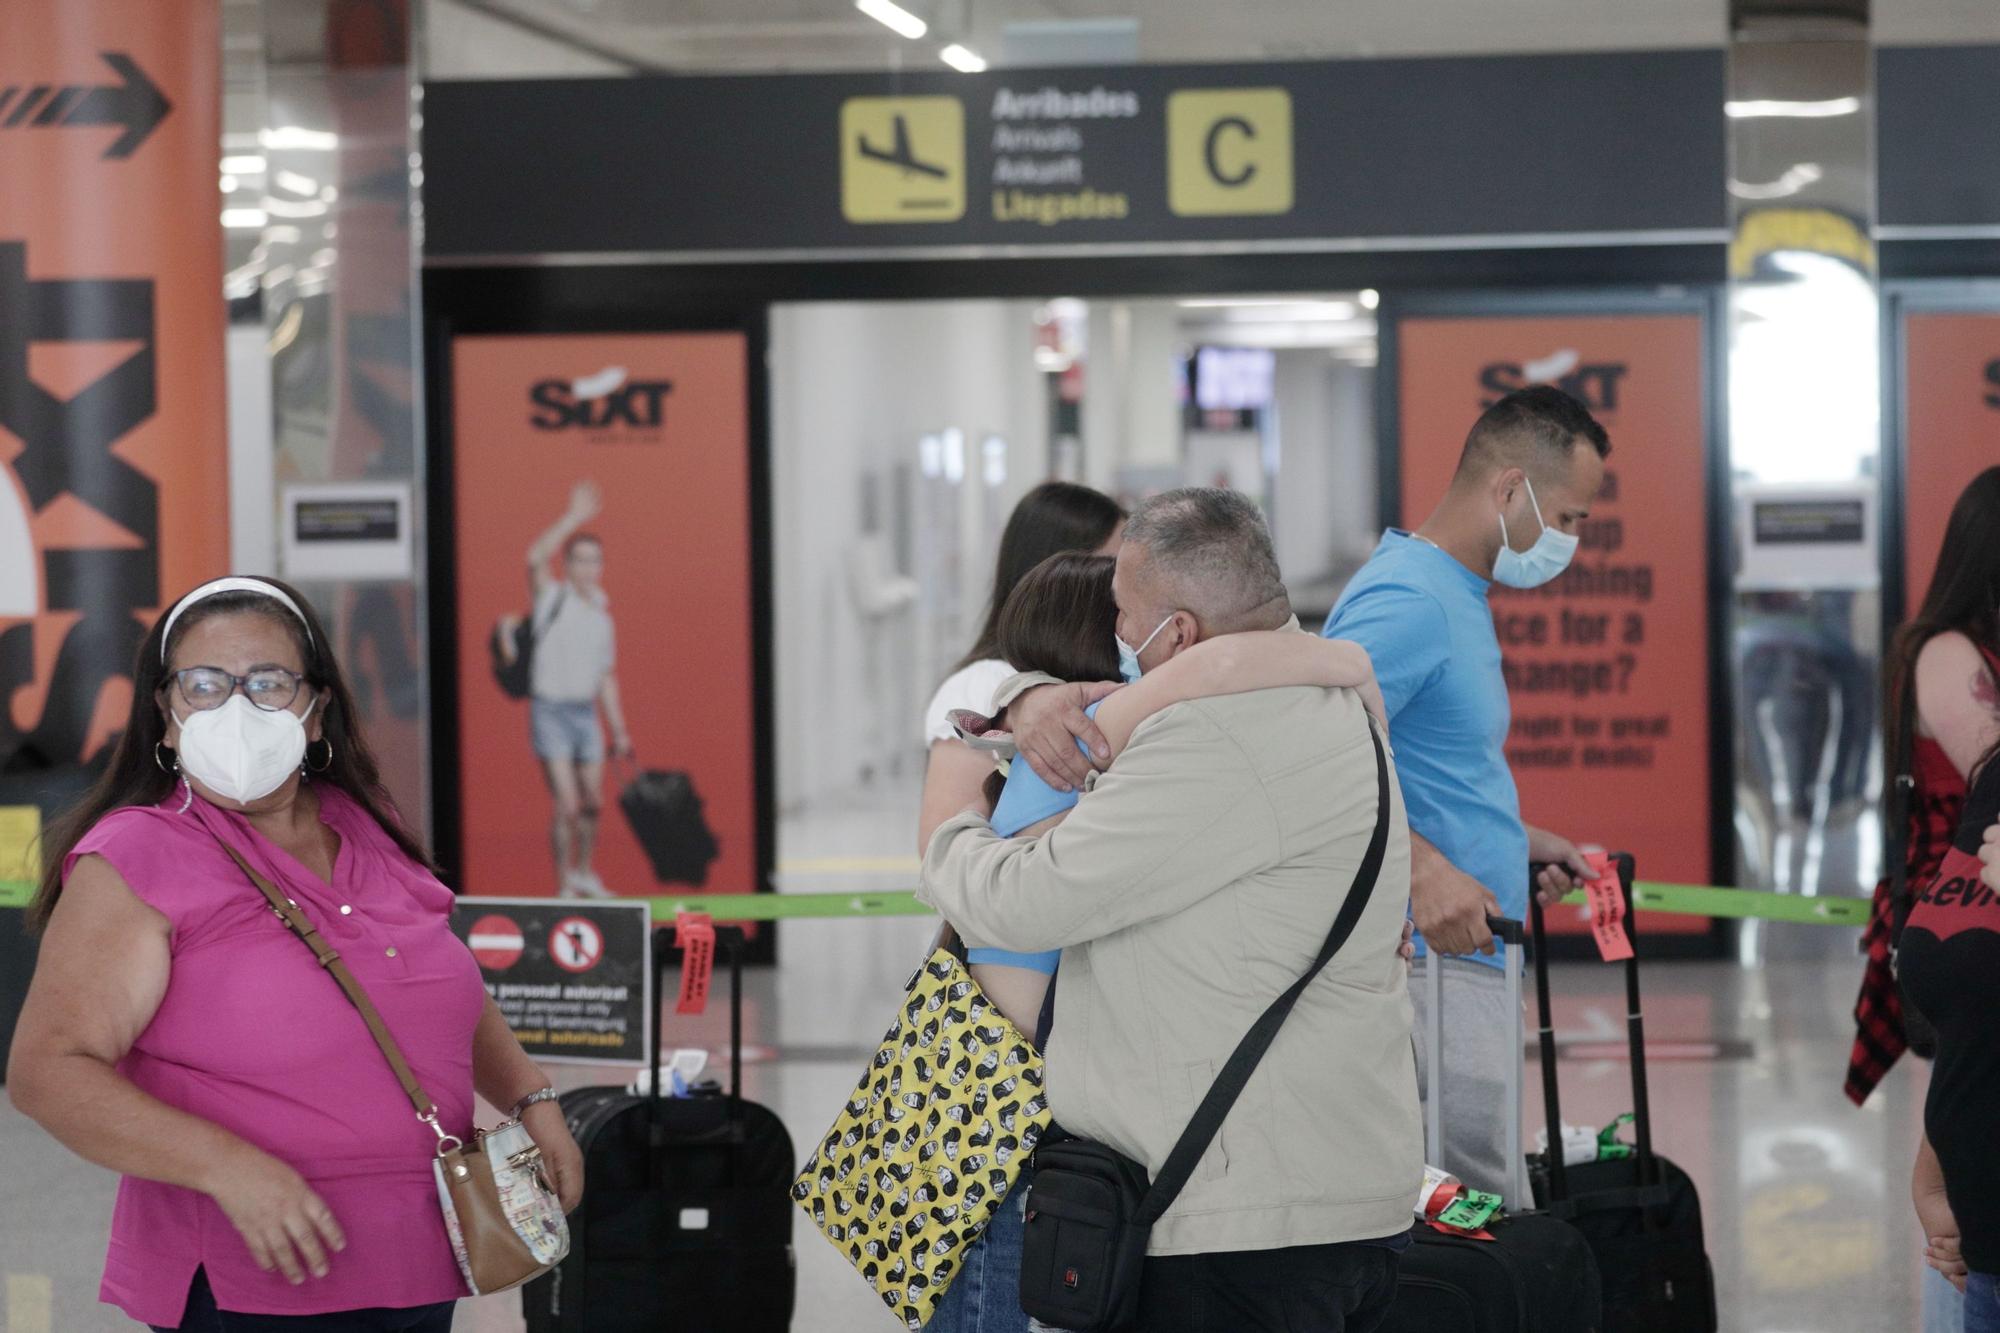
x,y
1193,883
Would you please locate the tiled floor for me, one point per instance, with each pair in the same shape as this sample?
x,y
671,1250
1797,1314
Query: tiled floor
x,y
1806,1198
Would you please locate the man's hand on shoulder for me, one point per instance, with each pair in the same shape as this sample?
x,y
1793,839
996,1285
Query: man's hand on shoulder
x,y
1449,905
1048,722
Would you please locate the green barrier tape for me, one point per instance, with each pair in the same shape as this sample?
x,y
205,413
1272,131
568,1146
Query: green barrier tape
x,y
1701,900
1679,899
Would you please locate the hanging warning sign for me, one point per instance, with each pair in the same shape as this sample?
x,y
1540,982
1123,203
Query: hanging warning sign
x,y
573,980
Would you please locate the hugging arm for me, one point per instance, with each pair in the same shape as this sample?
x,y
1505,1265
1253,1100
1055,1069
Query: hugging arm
x,y
1239,664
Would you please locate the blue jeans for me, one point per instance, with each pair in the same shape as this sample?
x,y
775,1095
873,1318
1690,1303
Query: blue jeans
x,y
566,730
986,1295
1943,1307
1982,1303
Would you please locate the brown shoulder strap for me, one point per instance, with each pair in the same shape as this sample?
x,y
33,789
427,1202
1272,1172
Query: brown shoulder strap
x,y
329,959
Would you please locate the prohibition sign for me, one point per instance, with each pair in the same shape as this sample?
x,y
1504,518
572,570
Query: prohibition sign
x,y
576,944
496,942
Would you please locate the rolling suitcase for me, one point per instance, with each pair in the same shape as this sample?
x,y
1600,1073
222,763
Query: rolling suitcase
x,y
666,817
1536,1275
1639,1214
686,1221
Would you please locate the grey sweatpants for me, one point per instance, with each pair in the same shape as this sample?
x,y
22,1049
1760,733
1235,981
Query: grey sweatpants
x,y
1480,1036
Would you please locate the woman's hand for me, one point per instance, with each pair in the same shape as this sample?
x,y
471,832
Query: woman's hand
x,y
560,1155
287,1226
1989,852
1935,1216
1942,1254
1941,1234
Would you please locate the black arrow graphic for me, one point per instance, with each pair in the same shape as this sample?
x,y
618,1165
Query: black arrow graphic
x,y
134,102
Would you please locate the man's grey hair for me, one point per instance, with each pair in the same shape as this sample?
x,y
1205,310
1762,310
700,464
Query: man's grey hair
x,y
1212,553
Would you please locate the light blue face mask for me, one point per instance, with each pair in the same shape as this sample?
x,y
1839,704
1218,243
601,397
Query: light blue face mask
x,y
1128,656
1548,557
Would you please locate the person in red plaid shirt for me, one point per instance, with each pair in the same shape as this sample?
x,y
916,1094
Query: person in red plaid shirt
x,y
1942,714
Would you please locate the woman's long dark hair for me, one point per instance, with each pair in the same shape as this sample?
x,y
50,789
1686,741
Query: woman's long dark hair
x,y
1055,516
1964,595
136,778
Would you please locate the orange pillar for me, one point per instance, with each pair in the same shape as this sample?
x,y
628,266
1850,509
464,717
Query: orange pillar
x,y
113,445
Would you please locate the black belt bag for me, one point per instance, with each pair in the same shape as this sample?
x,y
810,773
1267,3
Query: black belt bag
x,y
1091,1210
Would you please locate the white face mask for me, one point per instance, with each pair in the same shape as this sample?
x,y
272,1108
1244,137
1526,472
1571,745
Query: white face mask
x,y
1548,557
1128,656
241,752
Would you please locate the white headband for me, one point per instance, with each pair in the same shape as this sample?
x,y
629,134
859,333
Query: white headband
x,y
233,584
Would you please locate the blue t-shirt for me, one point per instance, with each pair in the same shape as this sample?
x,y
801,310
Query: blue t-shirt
x,y
1425,620
1025,802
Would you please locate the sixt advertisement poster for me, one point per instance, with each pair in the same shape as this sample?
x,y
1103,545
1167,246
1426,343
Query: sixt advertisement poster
x,y
1607,666
1951,416
602,553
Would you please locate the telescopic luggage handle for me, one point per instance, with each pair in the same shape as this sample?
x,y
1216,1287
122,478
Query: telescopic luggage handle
x,y
1635,1032
1518,1194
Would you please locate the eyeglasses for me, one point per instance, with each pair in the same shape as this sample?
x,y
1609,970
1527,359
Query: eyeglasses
x,y
269,688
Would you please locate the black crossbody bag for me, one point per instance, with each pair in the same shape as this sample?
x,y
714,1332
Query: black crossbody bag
x,y
1091,1209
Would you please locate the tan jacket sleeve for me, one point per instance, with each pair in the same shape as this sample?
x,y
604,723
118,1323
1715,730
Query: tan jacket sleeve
x,y
1017,685
1180,816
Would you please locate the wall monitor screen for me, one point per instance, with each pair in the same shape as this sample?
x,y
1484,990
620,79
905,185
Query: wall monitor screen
x,y
1233,379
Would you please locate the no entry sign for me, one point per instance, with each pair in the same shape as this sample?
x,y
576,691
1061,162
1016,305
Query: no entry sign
x,y
573,980
496,942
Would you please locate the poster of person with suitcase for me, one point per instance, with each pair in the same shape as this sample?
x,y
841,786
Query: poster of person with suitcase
x,y
616,467
571,657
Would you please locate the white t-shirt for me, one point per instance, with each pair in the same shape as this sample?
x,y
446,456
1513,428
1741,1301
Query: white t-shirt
x,y
970,687
575,647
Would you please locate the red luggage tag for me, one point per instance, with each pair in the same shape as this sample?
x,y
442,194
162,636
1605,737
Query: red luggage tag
x,y
694,932
1607,909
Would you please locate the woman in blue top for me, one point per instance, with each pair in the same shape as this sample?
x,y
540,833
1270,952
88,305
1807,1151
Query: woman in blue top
x,y
1061,620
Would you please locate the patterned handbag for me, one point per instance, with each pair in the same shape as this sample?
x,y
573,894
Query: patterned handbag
x,y
503,1217
934,1138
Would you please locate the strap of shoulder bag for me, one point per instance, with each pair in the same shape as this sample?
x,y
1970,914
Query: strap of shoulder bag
x,y
329,959
1902,792
1235,1076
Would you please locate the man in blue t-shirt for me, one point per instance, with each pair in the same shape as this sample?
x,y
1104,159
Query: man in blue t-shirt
x,y
1532,466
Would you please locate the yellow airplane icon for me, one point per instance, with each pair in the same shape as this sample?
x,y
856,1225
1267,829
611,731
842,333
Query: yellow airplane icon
x,y
902,159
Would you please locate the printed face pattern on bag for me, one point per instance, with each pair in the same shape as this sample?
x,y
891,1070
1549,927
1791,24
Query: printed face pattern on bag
x,y
933,1139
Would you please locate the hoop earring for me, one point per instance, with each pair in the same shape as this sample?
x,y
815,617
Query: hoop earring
x,y
327,763
188,801
169,762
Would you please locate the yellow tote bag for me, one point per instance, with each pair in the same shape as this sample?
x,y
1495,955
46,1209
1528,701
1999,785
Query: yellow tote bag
x,y
931,1142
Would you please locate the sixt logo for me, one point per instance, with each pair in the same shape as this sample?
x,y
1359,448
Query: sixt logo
x,y
1594,385
599,402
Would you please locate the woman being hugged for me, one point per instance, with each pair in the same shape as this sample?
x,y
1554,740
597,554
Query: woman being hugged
x,y
178,1033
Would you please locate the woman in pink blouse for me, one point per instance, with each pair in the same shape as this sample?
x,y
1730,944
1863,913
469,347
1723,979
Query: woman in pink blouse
x,y
176,1032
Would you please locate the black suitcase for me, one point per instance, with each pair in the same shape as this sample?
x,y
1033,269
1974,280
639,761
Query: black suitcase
x,y
666,818
1639,1214
1536,1275
686,1221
